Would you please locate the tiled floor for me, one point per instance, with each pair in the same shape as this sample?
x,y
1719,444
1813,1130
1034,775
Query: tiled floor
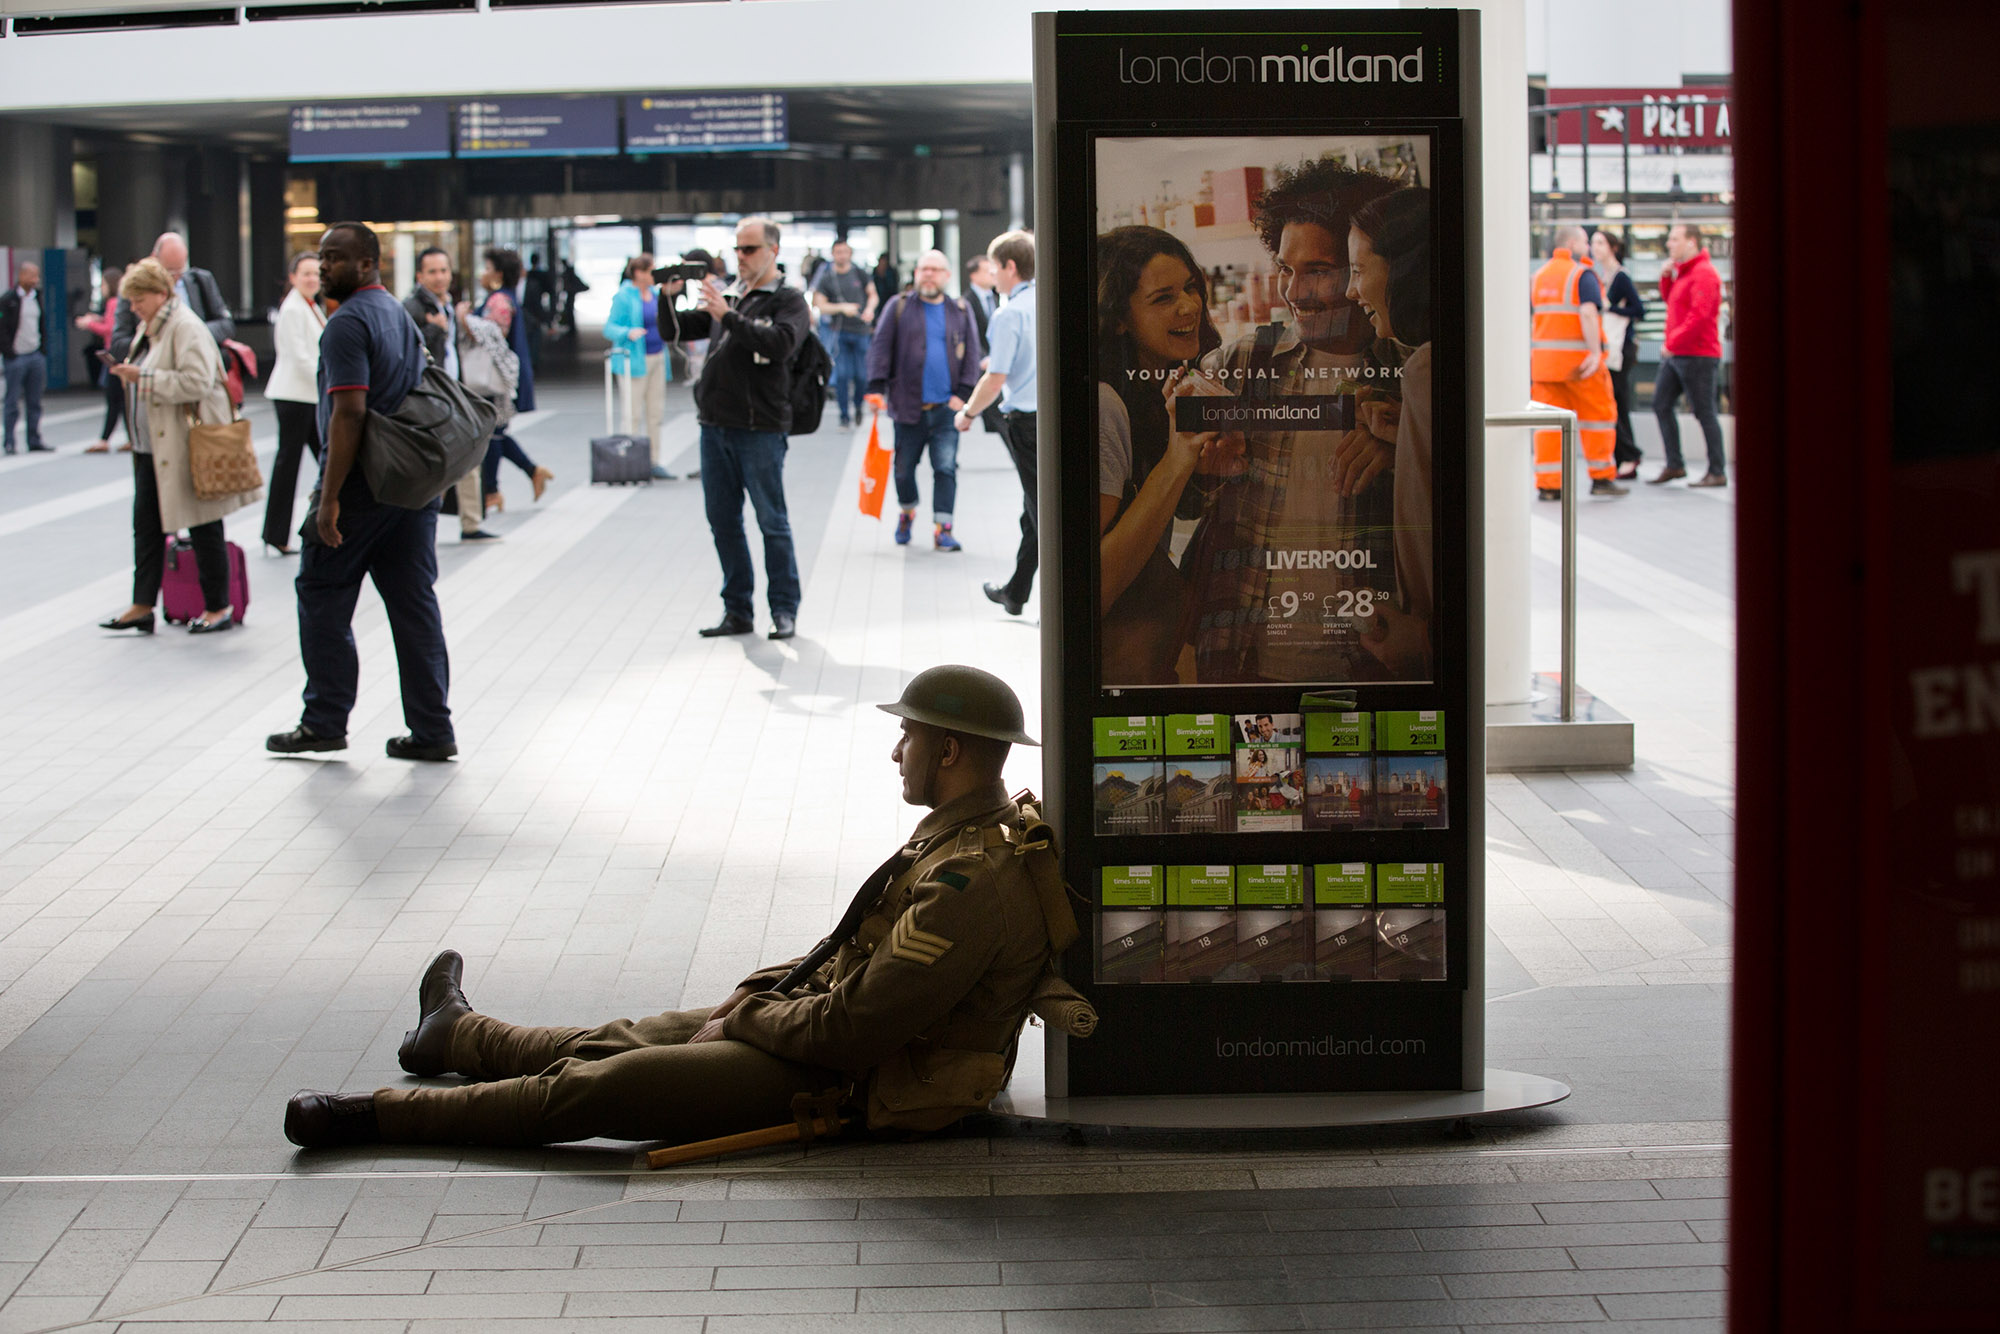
x,y
190,931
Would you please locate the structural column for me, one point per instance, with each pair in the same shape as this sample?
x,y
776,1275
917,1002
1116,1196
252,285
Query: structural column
x,y
140,193
1504,255
37,210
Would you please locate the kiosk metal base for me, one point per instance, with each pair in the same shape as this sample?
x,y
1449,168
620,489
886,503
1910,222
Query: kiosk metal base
x,y
1026,1097
1523,737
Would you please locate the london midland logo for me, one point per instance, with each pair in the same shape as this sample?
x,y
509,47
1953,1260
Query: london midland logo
x,y
1333,65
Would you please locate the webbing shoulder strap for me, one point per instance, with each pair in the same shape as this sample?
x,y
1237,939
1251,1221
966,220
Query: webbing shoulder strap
x,y
1036,841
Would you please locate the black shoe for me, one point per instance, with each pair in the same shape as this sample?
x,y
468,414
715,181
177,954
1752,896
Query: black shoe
x,y
40,449
441,1003
1548,493
198,626
1667,474
479,535
409,748
732,624
783,625
143,624
1604,486
316,1120
1712,479
301,739
997,593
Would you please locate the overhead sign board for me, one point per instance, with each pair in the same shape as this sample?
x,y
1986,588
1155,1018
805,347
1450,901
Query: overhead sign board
x,y
706,122
538,127
1689,117
370,131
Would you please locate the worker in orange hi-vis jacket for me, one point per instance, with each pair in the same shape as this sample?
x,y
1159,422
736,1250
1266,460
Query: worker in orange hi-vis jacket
x,y
1566,362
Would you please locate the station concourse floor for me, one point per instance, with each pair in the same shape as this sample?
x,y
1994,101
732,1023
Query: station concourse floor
x,y
191,930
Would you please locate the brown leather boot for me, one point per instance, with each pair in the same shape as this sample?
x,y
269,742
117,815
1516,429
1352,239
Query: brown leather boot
x,y
441,1003
317,1120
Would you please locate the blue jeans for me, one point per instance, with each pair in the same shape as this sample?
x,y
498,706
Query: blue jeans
x,y
397,548
735,462
26,376
850,367
933,429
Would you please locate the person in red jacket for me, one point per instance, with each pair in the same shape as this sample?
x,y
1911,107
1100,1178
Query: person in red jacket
x,y
1693,293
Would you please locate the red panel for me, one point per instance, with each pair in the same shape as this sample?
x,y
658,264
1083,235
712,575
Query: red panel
x,y
1799,558
1866,1036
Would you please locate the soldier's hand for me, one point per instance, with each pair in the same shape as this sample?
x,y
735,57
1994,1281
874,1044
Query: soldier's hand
x,y
708,1032
734,999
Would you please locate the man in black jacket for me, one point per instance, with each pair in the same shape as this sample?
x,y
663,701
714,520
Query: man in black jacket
x,y
196,287
743,402
24,342
430,306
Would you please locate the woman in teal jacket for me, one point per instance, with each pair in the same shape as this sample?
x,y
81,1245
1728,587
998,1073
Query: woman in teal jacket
x,y
639,353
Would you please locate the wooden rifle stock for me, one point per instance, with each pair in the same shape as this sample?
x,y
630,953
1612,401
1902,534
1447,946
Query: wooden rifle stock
x,y
750,1139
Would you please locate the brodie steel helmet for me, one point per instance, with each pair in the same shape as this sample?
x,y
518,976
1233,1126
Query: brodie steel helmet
x,y
963,699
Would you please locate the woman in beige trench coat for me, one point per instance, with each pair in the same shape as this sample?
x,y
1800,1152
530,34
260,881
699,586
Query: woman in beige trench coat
x,y
174,365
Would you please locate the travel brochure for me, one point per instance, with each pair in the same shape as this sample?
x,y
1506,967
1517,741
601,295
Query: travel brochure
x,y
1329,922
1253,773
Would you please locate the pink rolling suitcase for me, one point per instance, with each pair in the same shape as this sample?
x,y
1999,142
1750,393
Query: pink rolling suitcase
x,y
180,588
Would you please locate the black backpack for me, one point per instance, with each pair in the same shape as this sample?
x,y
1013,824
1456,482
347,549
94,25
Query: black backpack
x,y
812,369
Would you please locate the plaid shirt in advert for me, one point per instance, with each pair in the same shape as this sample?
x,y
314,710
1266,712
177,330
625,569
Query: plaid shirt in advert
x,y
1284,501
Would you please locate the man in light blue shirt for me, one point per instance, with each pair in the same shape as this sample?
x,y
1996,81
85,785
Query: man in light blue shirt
x,y
1010,376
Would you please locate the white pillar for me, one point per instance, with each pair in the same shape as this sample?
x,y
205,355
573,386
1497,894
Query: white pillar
x,y
1504,253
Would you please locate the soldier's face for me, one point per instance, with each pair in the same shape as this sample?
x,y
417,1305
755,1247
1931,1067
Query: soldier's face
x,y
913,757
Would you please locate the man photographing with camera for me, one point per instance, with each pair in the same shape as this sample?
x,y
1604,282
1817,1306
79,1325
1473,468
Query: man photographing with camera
x,y
743,402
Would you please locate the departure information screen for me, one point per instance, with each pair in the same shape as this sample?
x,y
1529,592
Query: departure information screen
x,y
370,131
706,122
538,127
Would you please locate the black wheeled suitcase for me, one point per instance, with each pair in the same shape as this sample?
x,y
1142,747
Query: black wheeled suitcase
x,y
619,459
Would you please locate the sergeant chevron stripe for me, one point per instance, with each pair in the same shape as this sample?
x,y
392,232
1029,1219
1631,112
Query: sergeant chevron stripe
x,y
916,946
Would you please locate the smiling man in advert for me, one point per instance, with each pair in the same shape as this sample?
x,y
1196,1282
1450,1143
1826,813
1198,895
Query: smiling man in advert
x,y
1295,549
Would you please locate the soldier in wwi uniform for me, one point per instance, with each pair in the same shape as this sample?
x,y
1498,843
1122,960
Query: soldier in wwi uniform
x,y
910,1009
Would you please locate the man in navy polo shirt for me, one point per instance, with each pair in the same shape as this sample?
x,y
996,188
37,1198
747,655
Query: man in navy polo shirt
x,y
370,357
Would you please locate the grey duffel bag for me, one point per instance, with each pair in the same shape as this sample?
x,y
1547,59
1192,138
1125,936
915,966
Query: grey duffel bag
x,y
436,435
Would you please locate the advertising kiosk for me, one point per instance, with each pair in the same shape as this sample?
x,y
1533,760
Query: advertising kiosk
x,y
1260,503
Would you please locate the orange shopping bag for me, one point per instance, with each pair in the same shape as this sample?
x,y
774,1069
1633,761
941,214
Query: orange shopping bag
x,y
874,469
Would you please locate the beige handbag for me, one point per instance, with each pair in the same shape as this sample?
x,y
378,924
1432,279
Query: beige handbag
x,y
1614,326
221,459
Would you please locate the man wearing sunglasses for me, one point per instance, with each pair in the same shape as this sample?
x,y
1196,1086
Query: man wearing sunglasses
x,y
743,402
